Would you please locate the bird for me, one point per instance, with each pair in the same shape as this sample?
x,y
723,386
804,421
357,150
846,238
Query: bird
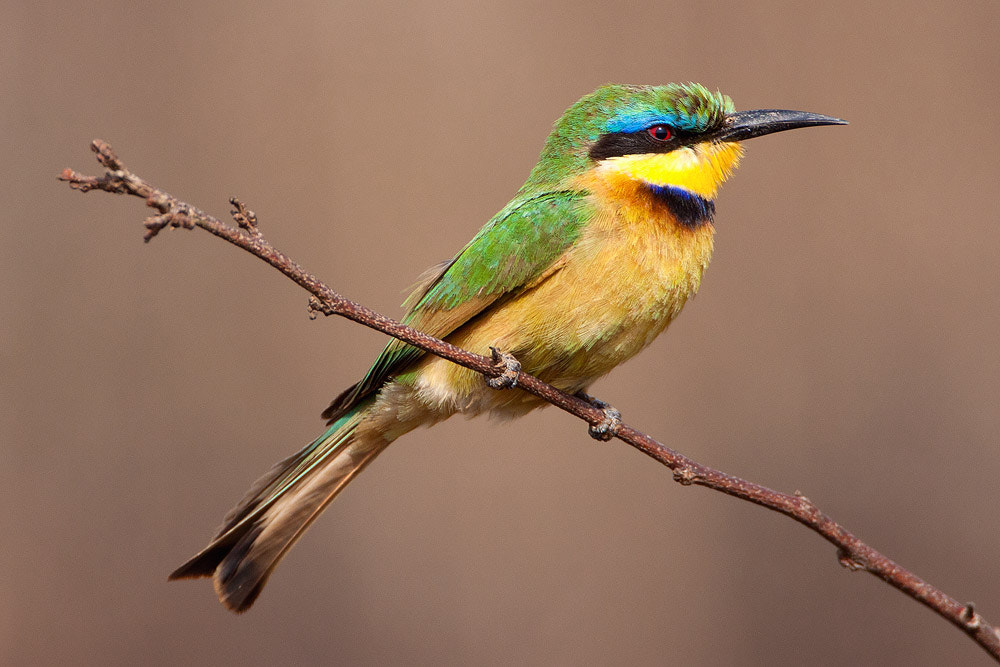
x,y
590,261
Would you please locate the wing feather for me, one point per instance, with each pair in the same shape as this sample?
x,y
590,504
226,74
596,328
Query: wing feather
x,y
519,247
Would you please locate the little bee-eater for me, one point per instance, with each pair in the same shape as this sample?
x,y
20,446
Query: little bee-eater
x,y
591,260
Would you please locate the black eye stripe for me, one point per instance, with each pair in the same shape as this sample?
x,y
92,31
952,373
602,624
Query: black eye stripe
x,y
615,144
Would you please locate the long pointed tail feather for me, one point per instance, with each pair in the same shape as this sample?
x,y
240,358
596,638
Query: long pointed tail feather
x,y
278,508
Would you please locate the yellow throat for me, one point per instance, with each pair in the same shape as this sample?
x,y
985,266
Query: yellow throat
x,y
699,169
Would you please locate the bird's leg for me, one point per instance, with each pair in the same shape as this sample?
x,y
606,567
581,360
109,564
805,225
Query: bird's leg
x,y
607,428
510,367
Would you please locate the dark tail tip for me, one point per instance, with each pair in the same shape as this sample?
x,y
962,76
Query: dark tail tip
x,y
238,580
240,577
202,564
237,600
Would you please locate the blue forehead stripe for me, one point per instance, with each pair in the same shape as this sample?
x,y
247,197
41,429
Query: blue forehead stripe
x,y
636,121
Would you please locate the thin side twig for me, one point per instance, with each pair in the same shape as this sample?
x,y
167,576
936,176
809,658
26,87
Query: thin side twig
x,y
505,372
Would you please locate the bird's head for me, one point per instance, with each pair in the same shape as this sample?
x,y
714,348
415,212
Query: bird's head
x,y
673,141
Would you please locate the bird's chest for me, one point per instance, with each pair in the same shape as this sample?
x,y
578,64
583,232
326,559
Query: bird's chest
x,y
625,279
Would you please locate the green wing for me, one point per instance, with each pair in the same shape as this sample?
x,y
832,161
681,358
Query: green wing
x,y
513,250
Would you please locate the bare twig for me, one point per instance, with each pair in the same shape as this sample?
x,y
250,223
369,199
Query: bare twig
x,y
503,371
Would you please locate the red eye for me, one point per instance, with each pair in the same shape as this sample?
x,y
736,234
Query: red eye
x,y
661,132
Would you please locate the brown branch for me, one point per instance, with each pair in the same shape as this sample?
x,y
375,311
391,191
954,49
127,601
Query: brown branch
x,y
503,371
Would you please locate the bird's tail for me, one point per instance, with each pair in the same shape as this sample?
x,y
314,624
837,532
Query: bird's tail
x,y
279,507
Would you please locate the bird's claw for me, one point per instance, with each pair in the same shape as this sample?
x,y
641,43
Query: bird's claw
x,y
510,369
607,428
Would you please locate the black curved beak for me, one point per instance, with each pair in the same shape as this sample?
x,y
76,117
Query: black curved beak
x,y
744,125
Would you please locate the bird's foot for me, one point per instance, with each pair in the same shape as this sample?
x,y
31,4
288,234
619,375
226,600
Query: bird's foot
x,y
607,428
509,366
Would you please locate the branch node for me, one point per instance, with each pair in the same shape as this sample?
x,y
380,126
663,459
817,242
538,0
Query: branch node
x,y
508,368
807,504
106,155
159,201
155,224
182,218
970,619
76,180
244,217
685,475
316,307
848,561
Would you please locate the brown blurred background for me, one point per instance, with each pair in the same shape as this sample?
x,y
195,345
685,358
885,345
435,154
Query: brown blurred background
x,y
844,343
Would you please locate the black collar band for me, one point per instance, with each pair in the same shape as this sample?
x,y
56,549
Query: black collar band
x,y
690,210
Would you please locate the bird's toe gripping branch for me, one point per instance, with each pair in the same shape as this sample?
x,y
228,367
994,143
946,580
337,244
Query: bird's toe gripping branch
x,y
509,367
607,428
508,370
